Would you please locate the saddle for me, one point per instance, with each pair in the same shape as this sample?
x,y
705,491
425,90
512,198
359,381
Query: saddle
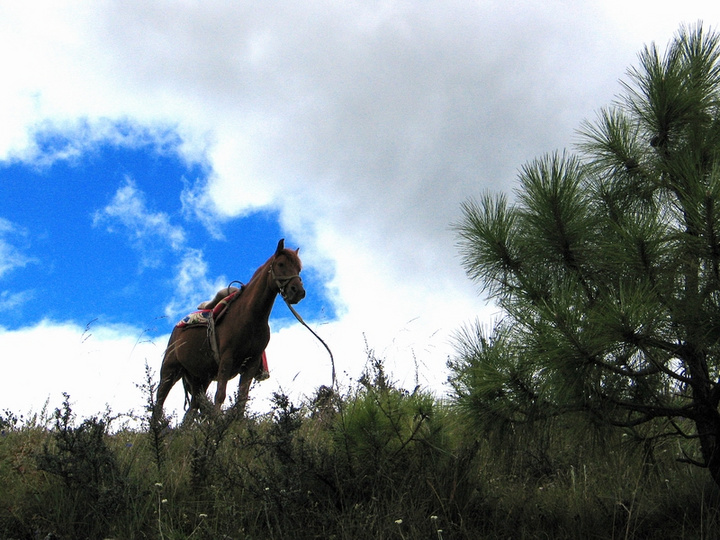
x,y
209,314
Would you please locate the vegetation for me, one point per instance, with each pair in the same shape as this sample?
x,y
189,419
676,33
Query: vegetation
x,y
375,462
608,268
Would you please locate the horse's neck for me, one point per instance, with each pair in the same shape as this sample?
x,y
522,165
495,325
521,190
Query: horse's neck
x,y
257,297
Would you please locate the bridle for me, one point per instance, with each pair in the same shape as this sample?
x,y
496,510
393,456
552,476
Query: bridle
x,y
281,281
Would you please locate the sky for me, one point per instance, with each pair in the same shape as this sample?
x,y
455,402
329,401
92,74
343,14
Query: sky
x,y
153,152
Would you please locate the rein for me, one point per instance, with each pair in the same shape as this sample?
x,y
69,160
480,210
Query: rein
x,y
300,320
283,282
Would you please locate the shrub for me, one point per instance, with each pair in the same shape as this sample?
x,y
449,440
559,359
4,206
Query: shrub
x,y
89,490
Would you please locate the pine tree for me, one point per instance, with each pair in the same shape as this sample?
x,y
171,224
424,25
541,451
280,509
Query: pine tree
x,y
606,264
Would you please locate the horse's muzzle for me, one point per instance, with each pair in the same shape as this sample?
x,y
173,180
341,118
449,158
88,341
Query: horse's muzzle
x,y
294,291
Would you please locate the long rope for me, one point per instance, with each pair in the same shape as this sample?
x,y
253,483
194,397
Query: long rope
x,y
300,320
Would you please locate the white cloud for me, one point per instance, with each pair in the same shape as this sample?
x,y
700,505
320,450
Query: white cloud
x,y
12,256
95,365
198,205
153,233
192,284
150,233
11,300
128,211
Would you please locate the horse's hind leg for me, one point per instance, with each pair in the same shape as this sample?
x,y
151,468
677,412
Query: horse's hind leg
x,y
170,373
198,399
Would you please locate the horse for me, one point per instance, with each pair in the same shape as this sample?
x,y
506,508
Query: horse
x,y
242,334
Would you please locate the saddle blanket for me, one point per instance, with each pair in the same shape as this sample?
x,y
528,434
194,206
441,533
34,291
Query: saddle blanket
x,y
202,317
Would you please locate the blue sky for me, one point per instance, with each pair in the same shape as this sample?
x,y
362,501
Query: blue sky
x,y
151,152
100,238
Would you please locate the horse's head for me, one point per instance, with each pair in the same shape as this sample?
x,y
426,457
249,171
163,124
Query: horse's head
x,y
285,269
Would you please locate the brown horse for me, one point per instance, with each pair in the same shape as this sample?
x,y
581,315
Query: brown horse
x,y
242,335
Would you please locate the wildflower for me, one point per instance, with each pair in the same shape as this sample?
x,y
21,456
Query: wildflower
x,y
434,518
398,521
202,516
164,501
158,484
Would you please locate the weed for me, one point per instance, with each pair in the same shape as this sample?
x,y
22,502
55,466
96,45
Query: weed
x,y
370,461
155,422
91,488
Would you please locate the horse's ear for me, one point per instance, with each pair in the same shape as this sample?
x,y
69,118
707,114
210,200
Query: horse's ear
x,y
281,246
297,251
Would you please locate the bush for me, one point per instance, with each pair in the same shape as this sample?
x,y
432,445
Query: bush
x,y
87,490
373,461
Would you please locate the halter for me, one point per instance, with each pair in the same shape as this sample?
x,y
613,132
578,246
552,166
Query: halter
x,y
281,281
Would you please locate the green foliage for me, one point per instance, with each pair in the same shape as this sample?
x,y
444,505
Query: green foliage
x,y
376,461
395,442
607,267
9,420
86,476
156,425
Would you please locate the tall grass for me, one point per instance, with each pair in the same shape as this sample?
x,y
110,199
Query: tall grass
x,y
371,461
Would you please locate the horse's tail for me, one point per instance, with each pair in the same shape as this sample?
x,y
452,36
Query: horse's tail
x,y
188,393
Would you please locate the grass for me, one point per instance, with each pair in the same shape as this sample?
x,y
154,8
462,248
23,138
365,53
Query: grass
x,y
376,461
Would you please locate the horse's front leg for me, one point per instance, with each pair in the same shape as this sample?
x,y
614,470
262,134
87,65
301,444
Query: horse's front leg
x,y
220,393
246,379
223,376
